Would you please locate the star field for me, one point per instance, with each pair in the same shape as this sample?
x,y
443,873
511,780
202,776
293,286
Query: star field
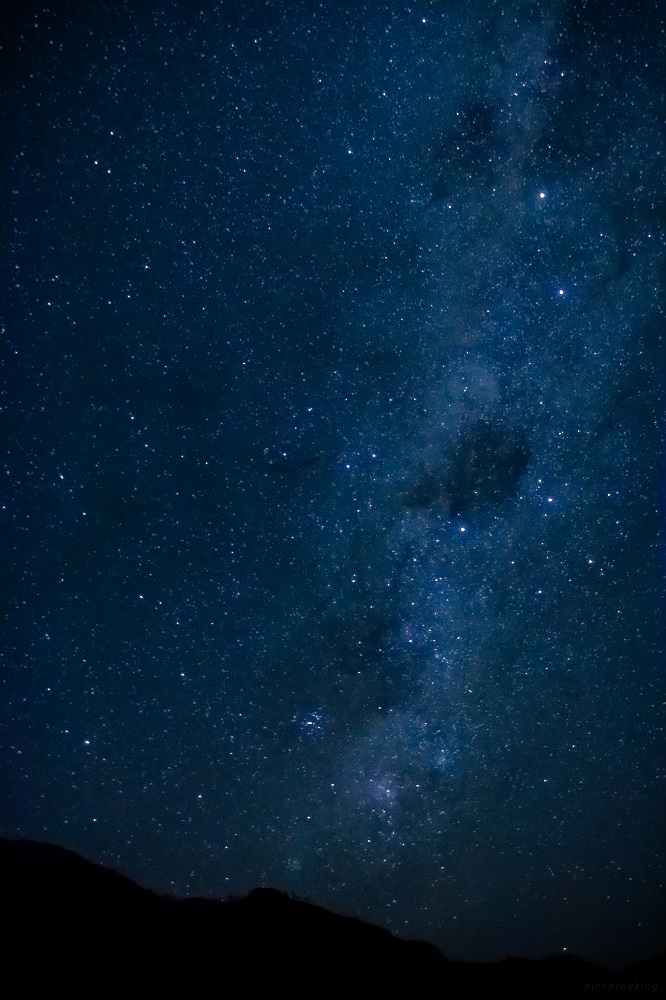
x,y
333,409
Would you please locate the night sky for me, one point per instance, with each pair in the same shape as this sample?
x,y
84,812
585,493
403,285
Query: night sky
x,y
333,368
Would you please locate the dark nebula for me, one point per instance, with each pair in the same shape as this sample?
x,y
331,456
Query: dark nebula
x,y
478,475
485,469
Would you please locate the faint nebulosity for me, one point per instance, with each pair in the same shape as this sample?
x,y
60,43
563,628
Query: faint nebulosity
x,y
333,405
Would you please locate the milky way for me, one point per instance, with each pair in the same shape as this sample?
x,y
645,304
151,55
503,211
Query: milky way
x,y
334,377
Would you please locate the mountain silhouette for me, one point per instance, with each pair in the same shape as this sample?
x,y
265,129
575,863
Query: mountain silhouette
x,y
78,925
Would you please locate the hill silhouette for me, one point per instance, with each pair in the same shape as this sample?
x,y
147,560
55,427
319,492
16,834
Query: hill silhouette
x,y
76,924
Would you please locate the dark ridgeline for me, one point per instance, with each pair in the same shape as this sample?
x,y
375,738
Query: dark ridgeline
x,y
76,925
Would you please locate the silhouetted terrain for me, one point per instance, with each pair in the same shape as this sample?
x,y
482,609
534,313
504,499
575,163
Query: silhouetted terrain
x,y
78,925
